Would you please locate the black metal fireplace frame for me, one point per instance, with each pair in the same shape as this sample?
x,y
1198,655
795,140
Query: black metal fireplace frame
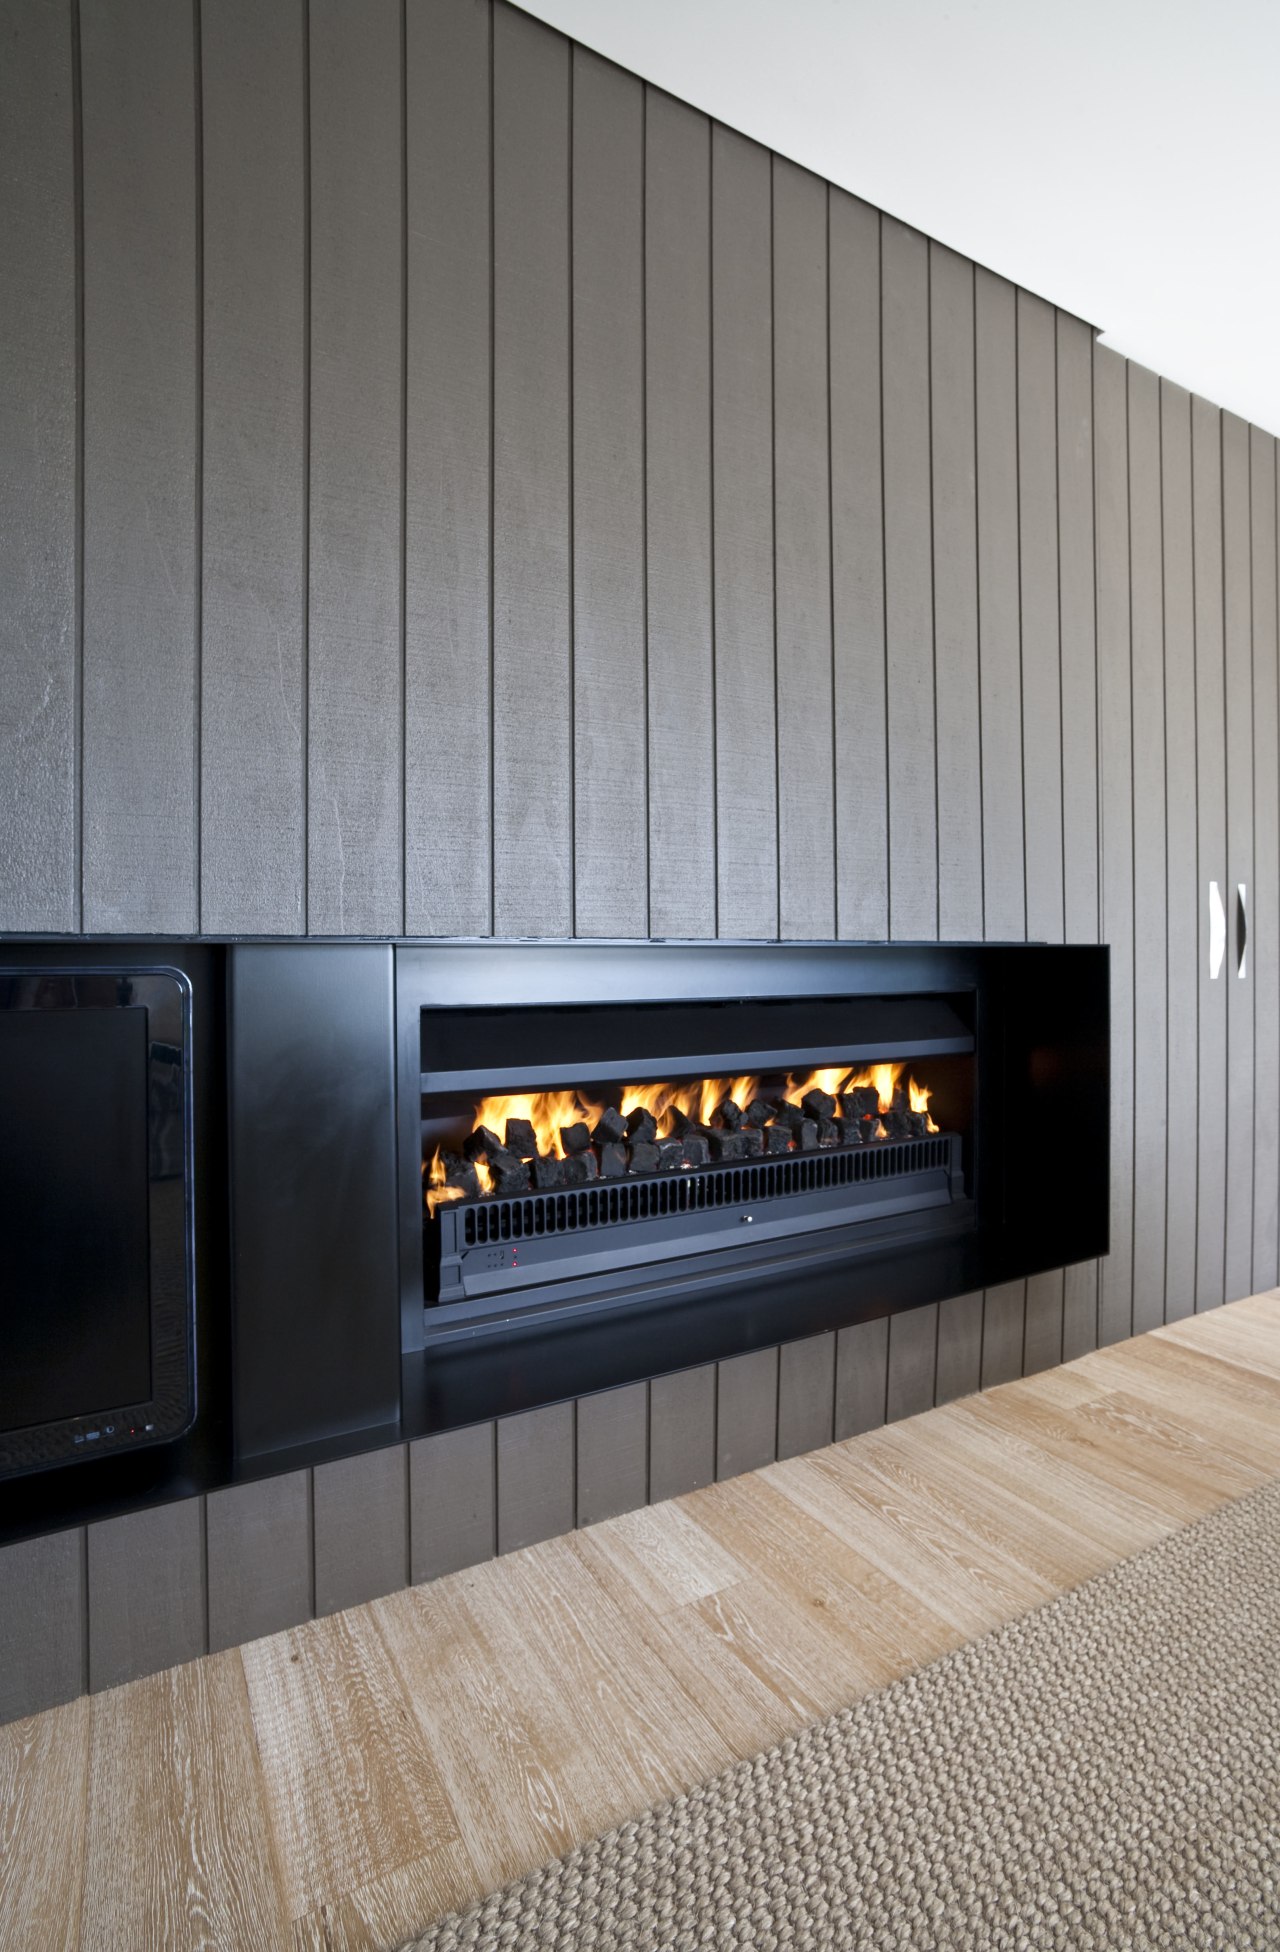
x,y
1042,1018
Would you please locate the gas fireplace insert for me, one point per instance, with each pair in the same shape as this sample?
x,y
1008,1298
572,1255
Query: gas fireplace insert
x,y
671,1127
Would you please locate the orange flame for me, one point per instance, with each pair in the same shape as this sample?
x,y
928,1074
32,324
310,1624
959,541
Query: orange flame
x,y
548,1111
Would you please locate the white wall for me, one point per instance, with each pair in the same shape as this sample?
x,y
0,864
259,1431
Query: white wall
x,y
1118,156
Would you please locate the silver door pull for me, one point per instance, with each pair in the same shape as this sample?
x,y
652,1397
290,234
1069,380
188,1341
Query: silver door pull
x,y
1242,929
1217,931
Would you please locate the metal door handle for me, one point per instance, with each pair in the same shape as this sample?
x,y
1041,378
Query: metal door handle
x,y
1217,931
1242,929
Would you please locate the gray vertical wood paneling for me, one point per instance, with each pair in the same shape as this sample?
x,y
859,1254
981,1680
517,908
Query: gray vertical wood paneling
x,y
1080,777
260,1575
1042,1333
862,1369
1237,604
42,1624
39,402
1077,630
1211,832
1079,1309
253,604
1150,1082
141,442
1038,607
806,1394
1115,760
1042,756
448,363
360,1508
1003,1330
610,838
1264,919
746,1412
355,732
802,522
613,1452
682,1432
959,1347
536,1476
1079,717
955,593
682,756
532,652
996,370
1181,878
146,1592
857,573
913,1362
453,1501
908,584
746,730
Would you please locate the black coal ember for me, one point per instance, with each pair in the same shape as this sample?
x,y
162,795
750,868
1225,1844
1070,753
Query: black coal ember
x,y
548,1172
818,1105
579,1167
758,1112
788,1115
862,1102
644,1156
752,1141
827,1133
613,1159
776,1139
726,1145
481,1143
696,1150
575,1138
806,1135
610,1127
521,1138
461,1173
918,1125
510,1175
680,1122
670,1154
848,1131
641,1126
728,1114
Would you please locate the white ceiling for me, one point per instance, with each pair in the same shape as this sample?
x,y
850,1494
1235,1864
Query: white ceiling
x,y
1120,157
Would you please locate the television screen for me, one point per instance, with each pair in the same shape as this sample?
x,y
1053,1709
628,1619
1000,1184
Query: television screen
x,y
75,1284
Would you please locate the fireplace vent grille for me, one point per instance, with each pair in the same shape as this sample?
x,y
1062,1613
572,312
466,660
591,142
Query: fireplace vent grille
x,y
608,1205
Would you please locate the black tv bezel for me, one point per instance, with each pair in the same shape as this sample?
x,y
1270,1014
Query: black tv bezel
x,y
101,1430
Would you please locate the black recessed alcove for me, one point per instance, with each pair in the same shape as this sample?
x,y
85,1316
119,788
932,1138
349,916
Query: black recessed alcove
x,y
333,1086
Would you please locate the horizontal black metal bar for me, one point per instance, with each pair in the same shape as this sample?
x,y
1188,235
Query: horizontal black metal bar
x,y
712,1064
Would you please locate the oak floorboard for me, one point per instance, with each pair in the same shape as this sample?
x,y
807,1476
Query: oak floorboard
x,y
337,1786
750,1709
351,1794
177,1833
44,1781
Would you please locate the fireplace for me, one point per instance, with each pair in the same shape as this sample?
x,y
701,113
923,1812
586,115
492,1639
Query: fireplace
x,y
576,1155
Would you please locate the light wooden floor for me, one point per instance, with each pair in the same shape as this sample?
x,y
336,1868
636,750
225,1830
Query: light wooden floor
x,y
341,1784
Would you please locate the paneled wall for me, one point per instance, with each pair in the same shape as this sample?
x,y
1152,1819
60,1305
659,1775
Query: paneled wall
x,y
450,487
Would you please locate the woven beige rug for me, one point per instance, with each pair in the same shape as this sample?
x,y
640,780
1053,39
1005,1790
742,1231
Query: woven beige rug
x,y
1102,1773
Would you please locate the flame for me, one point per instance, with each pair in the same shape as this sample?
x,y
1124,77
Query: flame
x,y
920,1096
437,1192
548,1111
